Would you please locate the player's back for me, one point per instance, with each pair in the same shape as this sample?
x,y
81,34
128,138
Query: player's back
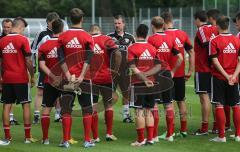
x,y
14,48
227,48
144,56
75,44
100,63
184,43
165,46
204,34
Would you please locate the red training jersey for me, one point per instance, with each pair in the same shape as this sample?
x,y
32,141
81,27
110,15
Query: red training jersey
x,y
13,50
203,36
184,43
143,55
166,47
226,48
75,43
100,62
48,53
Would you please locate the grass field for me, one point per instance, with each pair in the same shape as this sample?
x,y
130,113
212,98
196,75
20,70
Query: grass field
x,y
125,133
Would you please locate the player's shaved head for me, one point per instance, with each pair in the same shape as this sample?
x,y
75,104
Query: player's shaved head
x,y
94,29
157,22
167,16
19,21
76,15
223,22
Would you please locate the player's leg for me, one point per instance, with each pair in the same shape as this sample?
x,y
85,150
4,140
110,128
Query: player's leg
x,y
8,98
155,113
219,100
94,126
38,97
57,117
86,102
179,97
233,98
149,103
66,102
13,121
23,95
108,99
50,94
203,88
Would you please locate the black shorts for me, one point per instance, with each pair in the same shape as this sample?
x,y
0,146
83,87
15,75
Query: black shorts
x,y
50,95
40,79
16,93
223,93
140,100
105,90
166,96
202,82
179,89
85,99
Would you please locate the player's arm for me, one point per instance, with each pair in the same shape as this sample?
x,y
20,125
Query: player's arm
x,y
236,73
155,69
179,61
64,67
30,69
191,58
141,75
219,67
89,55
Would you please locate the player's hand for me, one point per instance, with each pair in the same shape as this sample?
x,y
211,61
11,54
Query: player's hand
x,y
187,76
56,81
79,79
32,81
172,74
232,80
148,83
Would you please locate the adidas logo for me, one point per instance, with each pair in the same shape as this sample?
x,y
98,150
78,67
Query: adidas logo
x,y
164,48
74,43
9,49
52,53
146,55
178,42
97,49
230,49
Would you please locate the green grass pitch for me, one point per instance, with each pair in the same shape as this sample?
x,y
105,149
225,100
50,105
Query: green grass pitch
x,y
125,132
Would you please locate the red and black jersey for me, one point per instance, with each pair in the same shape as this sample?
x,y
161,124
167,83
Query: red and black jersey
x,y
13,50
166,47
48,53
204,34
100,62
184,43
144,56
74,45
226,48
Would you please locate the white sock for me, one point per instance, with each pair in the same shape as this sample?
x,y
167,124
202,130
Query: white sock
x,y
125,111
11,116
36,113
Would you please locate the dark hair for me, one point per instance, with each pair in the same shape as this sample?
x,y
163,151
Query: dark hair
x,y
214,13
7,20
167,16
237,17
223,22
18,20
201,15
119,16
52,16
157,22
142,31
76,15
57,26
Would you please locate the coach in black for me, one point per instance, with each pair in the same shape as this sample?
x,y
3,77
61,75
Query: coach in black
x,y
123,40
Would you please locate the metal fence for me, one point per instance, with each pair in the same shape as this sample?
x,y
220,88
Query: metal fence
x,y
183,19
